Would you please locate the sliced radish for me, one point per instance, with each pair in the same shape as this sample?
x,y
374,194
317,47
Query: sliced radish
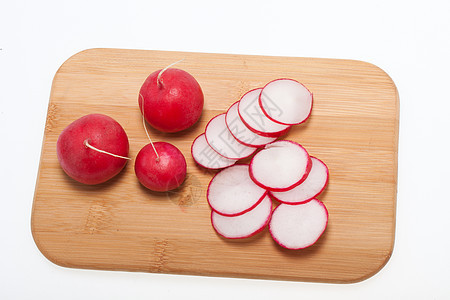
x,y
298,226
206,157
232,192
241,132
223,142
245,225
313,185
254,118
286,101
280,166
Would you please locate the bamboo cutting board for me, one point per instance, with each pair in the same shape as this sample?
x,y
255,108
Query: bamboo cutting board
x,y
119,225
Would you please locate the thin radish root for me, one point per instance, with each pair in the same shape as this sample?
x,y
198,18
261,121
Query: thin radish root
x,y
158,79
86,143
145,128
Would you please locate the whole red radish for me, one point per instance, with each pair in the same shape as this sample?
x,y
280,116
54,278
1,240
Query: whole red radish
x,y
92,149
173,100
161,168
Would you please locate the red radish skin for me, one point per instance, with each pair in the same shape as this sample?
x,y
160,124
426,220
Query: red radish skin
x,y
223,142
298,226
264,162
313,185
231,192
172,103
241,132
84,164
206,157
282,106
160,174
245,225
254,118
273,135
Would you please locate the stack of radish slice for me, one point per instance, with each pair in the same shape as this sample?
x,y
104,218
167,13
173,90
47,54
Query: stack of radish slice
x,y
240,195
260,117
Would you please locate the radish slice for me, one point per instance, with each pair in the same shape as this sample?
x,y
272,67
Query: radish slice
x,y
241,132
286,101
232,192
313,185
280,166
254,118
223,142
206,157
298,226
245,225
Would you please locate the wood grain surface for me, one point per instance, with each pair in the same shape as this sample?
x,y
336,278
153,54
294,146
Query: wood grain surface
x,y
119,225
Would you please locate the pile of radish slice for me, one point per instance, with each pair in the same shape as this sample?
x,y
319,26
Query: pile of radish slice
x,y
240,196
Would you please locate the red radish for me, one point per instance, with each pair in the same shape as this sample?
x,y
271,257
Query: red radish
x,y
92,149
241,132
222,141
298,226
161,168
280,166
173,100
313,185
232,192
286,101
245,225
254,118
206,157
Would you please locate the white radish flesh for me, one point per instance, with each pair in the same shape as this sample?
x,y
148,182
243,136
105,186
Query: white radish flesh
x,y
298,226
245,225
241,132
280,166
254,118
286,101
223,142
232,192
206,157
313,185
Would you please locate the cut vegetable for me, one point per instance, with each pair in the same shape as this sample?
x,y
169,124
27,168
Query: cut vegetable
x,y
298,226
313,185
206,157
280,166
241,132
245,225
286,101
254,118
232,192
223,142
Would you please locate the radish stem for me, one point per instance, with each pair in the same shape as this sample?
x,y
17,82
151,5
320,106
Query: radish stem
x,y
86,143
158,79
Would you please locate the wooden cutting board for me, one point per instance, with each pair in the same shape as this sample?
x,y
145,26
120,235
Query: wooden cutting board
x,y
119,225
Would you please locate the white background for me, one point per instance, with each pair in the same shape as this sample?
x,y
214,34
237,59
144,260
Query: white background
x,y
410,40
